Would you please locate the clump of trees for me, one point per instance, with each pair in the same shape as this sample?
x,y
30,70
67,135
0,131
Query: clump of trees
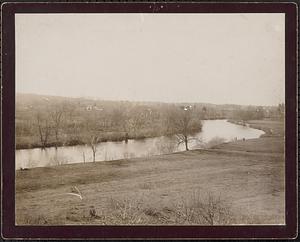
x,y
57,118
49,123
44,128
250,113
56,123
258,112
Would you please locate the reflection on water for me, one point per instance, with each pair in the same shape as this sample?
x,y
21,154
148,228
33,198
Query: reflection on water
x,y
106,151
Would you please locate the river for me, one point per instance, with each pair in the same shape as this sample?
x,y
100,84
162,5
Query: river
x,y
213,132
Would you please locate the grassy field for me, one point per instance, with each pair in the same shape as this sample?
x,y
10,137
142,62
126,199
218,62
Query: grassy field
x,y
240,182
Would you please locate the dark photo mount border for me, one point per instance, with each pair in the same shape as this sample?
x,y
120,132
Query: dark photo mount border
x,y
8,227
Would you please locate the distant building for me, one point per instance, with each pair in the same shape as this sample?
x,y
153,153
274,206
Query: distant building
x,y
94,107
89,108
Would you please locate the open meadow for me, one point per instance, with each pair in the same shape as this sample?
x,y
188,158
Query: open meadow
x,y
240,182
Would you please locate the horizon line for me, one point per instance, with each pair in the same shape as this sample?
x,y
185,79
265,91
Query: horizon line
x,y
145,101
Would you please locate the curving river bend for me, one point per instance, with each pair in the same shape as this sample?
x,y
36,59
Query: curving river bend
x,y
213,131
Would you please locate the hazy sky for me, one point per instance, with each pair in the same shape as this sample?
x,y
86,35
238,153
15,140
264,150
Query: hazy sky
x,y
216,58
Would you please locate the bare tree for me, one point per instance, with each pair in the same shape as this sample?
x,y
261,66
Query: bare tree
x,y
57,117
93,144
82,150
43,129
182,138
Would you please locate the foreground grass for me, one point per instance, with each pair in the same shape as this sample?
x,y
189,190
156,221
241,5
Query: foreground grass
x,y
236,183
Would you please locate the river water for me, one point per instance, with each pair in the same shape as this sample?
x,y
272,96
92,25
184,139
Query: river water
x,y
213,132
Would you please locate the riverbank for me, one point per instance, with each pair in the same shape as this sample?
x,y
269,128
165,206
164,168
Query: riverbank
x,y
84,138
270,127
242,180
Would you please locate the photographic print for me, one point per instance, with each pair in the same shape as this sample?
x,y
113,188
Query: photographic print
x,y
150,119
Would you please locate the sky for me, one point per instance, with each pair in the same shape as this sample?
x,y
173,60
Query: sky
x,y
213,58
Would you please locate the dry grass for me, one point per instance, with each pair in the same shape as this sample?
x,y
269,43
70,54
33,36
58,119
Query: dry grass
x,y
29,219
193,208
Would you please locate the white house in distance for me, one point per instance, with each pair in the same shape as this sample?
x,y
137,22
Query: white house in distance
x,y
93,107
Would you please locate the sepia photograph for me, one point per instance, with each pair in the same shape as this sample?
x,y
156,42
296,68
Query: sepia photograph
x,y
150,119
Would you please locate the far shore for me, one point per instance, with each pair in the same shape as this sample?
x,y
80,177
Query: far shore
x,y
114,137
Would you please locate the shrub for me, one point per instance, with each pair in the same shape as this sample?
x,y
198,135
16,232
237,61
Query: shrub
x,y
203,208
214,142
125,211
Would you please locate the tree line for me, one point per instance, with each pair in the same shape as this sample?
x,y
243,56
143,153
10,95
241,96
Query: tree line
x,y
46,123
65,124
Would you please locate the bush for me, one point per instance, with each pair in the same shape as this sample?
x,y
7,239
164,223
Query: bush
x,y
214,142
195,208
125,211
203,208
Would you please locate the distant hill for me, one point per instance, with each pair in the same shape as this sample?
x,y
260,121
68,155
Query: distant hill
x,y
27,99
